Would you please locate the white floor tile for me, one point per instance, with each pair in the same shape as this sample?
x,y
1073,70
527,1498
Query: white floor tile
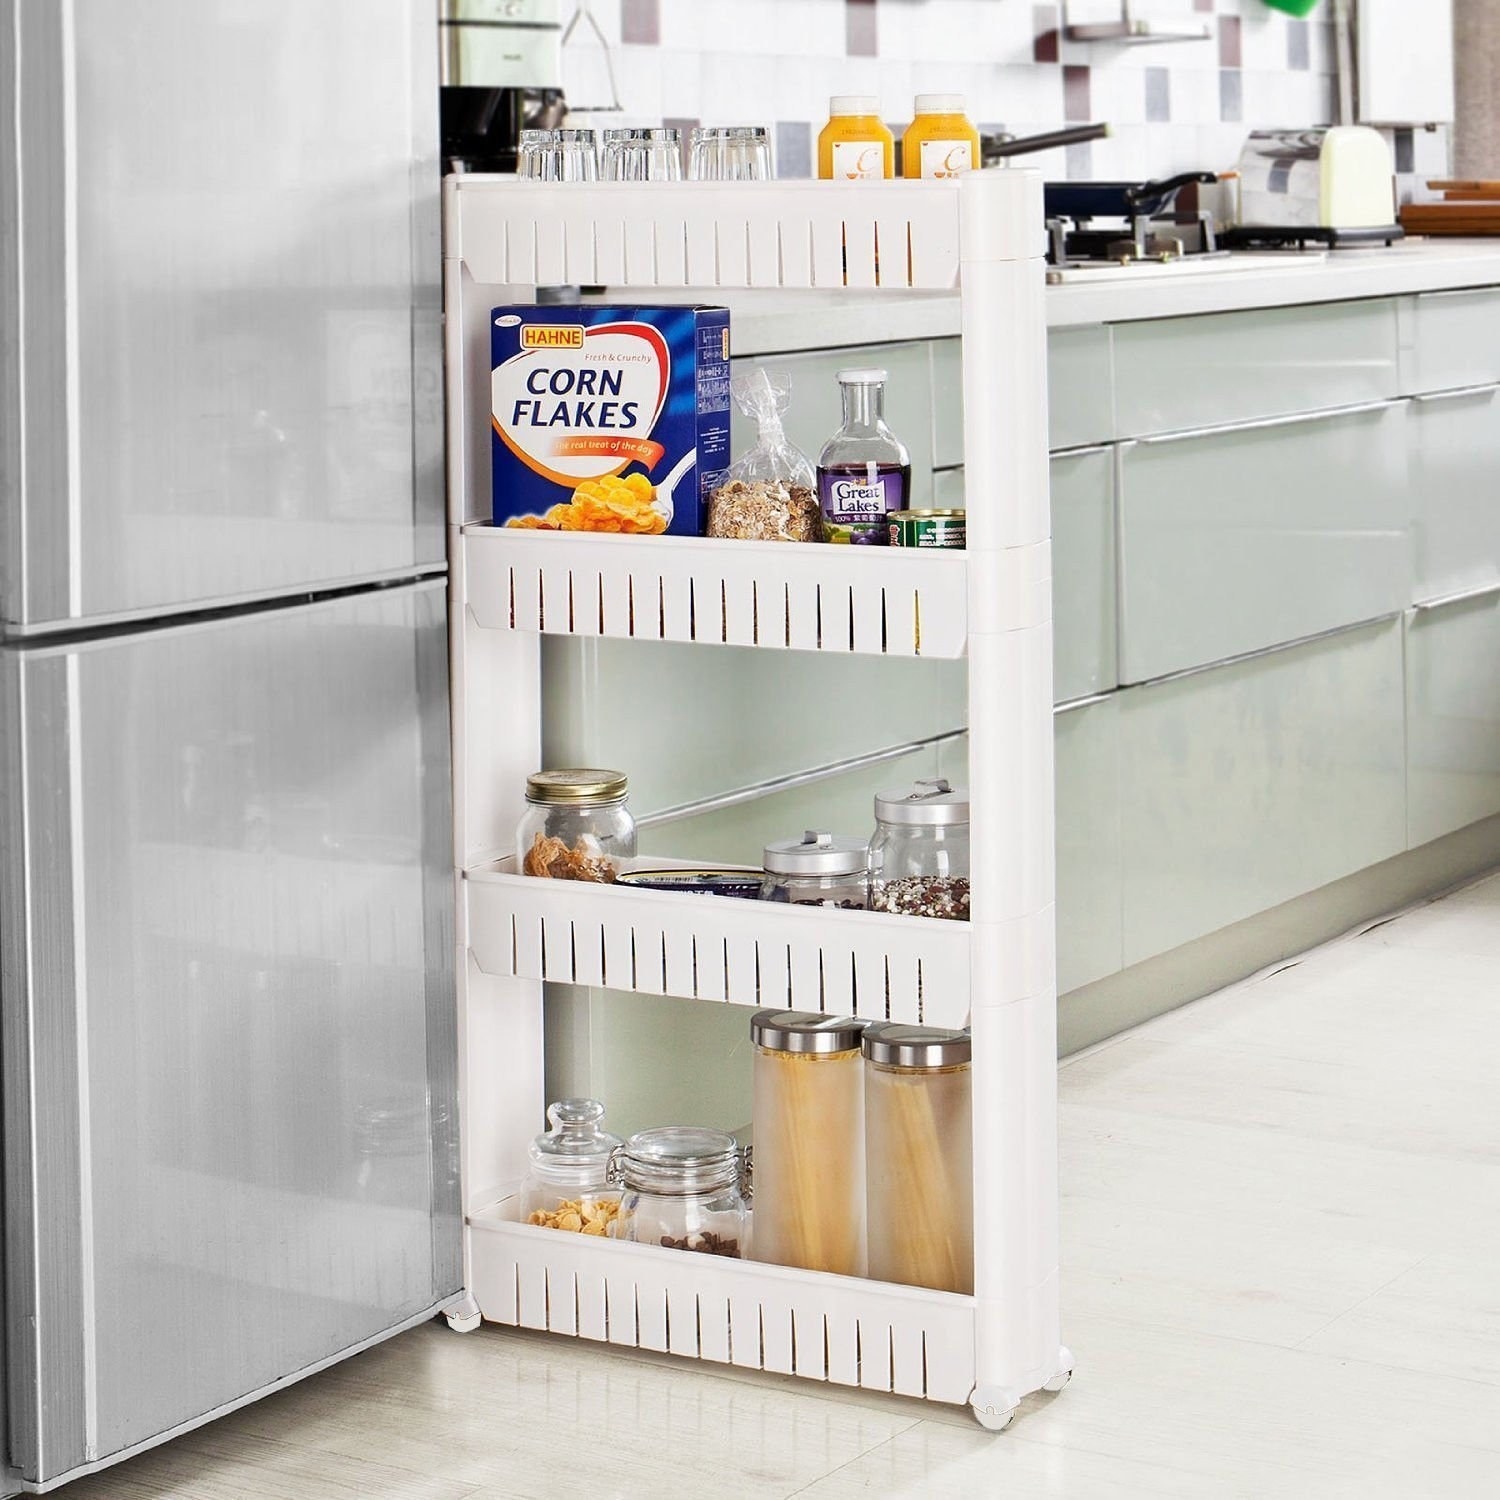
x,y
1278,1219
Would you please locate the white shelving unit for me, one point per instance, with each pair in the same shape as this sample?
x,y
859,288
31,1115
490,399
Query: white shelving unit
x,y
991,604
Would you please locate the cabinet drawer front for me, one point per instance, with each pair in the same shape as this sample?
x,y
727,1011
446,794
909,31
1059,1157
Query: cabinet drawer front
x,y
1453,717
1182,373
1238,540
1256,782
1084,649
1455,448
816,411
1086,755
1080,401
1456,339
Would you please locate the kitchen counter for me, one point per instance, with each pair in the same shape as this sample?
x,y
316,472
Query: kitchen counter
x,y
780,322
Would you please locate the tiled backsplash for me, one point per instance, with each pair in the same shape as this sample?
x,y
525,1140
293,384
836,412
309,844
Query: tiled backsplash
x,y
1174,106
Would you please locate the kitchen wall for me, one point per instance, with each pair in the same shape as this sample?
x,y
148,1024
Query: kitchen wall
x,y
1175,106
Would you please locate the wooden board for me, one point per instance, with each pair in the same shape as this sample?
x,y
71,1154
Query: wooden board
x,y
1475,217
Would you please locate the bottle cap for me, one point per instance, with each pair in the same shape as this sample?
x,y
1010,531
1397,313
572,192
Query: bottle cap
x,y
899,1046
817,853
576,785
941,104
805,1032
854,104
924,804
863,376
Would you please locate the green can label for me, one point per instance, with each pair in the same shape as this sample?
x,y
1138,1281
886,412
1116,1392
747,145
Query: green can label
x,y
928,528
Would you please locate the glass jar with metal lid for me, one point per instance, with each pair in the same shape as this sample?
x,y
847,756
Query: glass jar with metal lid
x,y
919,1156
577,825
567,1185
919,857
819,869
683,1188
809,1141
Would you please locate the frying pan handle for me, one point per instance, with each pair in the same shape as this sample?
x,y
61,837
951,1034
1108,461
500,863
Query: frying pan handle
x,y
1152,197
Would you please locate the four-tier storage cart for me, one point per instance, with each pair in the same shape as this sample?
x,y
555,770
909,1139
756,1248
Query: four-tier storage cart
x,y
991,604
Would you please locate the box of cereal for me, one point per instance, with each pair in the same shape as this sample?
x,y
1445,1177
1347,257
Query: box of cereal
x,y
612,419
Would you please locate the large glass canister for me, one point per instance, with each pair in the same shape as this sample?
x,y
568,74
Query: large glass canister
x,y
567,1185
683,1190
809,1141
919,1156
919,857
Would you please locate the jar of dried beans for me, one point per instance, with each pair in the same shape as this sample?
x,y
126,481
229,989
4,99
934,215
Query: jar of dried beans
x,y
567,1185
683,1189
919,857
809,1141
577,825
919,1156
819,869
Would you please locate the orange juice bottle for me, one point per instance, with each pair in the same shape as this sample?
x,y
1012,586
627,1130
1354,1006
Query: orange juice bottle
x,y
856,143
940,142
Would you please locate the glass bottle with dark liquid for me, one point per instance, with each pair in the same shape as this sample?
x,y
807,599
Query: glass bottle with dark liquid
x,y
864,470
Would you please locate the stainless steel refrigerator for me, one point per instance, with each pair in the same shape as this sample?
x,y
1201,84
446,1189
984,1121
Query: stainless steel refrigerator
x,y
226,937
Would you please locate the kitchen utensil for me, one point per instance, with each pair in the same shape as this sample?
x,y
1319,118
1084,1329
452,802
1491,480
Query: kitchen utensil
x,y
995,149
731,153
1116,200
583,16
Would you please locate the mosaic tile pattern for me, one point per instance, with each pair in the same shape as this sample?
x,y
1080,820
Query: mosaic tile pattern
x,y
1174,107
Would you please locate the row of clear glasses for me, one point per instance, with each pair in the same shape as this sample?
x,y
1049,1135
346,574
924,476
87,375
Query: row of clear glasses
x,y
718,153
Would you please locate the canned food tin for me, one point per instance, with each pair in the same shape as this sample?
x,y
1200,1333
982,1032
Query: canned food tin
x,y
742,883
927,528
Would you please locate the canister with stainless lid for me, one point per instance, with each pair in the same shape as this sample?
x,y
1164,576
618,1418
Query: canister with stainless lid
x,y
919,1156
919,856
809,1141
819,869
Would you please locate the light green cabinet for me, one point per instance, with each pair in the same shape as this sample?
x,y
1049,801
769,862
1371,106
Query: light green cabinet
x,y
1250,784
1080,400
1453,717
1239,539
1455,339
1455,455
1085,658
1090,933
1177,374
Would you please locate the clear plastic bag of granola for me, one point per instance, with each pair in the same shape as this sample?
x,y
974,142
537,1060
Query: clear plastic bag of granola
x,y
769,494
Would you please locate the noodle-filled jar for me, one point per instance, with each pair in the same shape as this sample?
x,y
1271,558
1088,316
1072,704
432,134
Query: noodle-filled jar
x,y
919,1156
809,1141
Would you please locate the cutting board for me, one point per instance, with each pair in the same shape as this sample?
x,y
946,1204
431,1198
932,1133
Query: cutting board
x,y
1465,216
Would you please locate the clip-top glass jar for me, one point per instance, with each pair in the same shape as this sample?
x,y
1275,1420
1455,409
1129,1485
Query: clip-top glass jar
x,y
809,1141
919,857
683,1189
568,1186
919,1156
577,825
819,869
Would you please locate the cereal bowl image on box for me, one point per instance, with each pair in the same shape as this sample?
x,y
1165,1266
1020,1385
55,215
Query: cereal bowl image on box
x,y
608,419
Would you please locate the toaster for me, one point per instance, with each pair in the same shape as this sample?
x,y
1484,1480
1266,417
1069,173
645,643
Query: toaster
x,y
1338,178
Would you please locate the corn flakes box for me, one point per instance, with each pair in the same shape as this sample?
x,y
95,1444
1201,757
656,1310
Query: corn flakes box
x,y
608,419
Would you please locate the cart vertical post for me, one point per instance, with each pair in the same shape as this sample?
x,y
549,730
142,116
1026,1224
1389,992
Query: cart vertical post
x,y
1013,980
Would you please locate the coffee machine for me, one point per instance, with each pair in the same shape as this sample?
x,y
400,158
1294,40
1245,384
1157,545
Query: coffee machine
x,y
501,74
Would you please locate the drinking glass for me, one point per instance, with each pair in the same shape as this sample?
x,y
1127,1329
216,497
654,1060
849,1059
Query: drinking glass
x,y
643,155
731,153
558,156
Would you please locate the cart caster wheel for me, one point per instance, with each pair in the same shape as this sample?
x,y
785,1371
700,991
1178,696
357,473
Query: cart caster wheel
x,y
463,1317
1064,1374
994,1410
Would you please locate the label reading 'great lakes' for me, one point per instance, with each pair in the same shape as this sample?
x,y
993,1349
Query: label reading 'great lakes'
x,y
856,500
